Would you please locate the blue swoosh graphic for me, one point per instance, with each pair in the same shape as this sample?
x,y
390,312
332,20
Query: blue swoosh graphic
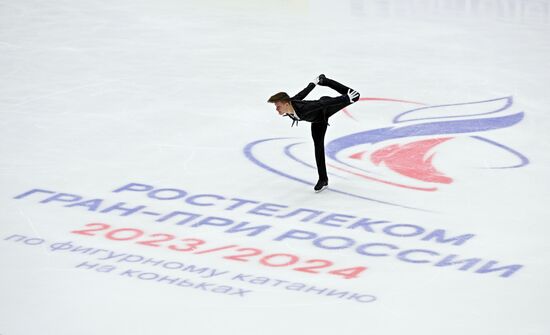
x,y
424,129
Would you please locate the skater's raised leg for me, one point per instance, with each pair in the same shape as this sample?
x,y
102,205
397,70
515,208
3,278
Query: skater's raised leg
x,y
342,89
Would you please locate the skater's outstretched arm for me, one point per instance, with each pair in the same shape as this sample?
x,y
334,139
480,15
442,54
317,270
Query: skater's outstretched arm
x,y
303,93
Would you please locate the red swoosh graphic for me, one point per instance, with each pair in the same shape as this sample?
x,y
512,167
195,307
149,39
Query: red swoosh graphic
x,y
410,160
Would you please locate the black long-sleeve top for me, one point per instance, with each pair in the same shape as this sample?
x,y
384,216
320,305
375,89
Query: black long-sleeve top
x,y
314,110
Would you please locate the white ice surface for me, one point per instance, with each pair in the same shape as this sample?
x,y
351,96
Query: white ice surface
x,y
98,94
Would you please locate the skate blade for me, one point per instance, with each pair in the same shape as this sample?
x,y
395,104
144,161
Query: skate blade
x,y
322,189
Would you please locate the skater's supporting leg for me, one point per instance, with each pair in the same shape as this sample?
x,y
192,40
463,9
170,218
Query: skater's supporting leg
x,y
318,131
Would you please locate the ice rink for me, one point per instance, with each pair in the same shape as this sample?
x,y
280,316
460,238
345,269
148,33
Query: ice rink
x,y
148,188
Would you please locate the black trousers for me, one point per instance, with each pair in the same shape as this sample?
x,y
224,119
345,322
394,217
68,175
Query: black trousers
x,y
319,129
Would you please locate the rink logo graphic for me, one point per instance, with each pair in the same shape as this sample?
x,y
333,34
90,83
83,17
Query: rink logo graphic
x,y
402,155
